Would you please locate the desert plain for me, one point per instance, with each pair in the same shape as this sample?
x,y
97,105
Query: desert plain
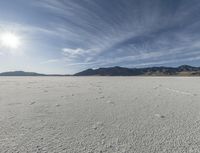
x,y
99,114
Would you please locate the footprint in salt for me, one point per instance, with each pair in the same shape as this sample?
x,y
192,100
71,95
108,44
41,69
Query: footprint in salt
x,y
155,88
57,105
97,125
159,115
32,103
111,102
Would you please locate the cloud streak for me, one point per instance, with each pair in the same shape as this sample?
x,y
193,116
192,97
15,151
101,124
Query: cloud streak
x,y
127,29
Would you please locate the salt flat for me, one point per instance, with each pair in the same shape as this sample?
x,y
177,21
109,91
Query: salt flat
x,y
100,114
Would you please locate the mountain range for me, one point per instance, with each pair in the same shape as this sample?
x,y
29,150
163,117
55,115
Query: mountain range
x,y
183,70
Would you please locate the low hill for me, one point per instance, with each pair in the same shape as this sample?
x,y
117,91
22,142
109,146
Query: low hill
x,y
20,73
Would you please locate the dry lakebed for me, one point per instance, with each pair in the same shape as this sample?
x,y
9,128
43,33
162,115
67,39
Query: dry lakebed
x,y
99,114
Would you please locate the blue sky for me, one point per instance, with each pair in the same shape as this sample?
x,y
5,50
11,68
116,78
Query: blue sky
x,y
67,36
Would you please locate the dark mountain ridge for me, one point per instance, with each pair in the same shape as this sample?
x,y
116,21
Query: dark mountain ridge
x,y
183,70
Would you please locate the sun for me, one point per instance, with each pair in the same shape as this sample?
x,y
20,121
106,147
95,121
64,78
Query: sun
x,y
10,40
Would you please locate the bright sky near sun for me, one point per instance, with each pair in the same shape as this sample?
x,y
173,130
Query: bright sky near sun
x,y
55,36
9,40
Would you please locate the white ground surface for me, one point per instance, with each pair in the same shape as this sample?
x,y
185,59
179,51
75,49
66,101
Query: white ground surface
x,y
100,114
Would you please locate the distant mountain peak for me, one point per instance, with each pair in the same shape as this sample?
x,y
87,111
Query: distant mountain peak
x,y
185,66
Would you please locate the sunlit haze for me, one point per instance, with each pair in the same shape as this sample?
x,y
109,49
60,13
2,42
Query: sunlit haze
x,y
10,40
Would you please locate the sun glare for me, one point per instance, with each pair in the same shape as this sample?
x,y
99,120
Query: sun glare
x,y
10,40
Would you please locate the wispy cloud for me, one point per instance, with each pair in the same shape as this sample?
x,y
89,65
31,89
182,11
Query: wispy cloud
x,y
126,32
50,61
94,33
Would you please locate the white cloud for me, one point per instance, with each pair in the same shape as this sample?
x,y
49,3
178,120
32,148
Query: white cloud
x,y
50,61
75,53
